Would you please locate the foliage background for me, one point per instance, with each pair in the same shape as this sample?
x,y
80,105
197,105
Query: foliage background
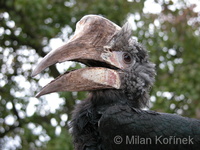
x,y
29,29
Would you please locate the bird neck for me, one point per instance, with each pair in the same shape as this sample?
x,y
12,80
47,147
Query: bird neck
x,y
87,114
106,98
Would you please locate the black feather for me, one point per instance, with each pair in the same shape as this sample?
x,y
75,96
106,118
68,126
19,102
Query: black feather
x,y
107,114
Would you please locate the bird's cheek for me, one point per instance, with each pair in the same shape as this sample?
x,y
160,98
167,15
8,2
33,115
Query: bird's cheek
x,y
114,58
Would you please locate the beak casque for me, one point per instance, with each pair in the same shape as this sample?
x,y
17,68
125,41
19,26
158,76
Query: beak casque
x,y
90,42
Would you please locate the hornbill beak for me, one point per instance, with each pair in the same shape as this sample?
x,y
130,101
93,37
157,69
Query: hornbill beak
x,y
90,45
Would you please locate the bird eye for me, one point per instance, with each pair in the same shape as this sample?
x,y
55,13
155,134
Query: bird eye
x,y
127,58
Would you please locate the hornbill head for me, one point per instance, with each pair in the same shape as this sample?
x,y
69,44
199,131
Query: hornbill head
x,y
114,59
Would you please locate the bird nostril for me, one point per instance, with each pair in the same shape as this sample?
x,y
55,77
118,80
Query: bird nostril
x,y
107,49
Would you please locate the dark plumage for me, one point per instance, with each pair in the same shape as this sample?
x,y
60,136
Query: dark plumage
x,y
105,115
118,80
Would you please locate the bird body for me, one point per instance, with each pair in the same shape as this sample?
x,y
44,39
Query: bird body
x,y
109,123
118,78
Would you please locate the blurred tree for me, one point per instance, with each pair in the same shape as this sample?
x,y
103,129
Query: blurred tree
x,y
170,31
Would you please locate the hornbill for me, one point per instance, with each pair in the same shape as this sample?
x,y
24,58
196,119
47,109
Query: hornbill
x,y
118,77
